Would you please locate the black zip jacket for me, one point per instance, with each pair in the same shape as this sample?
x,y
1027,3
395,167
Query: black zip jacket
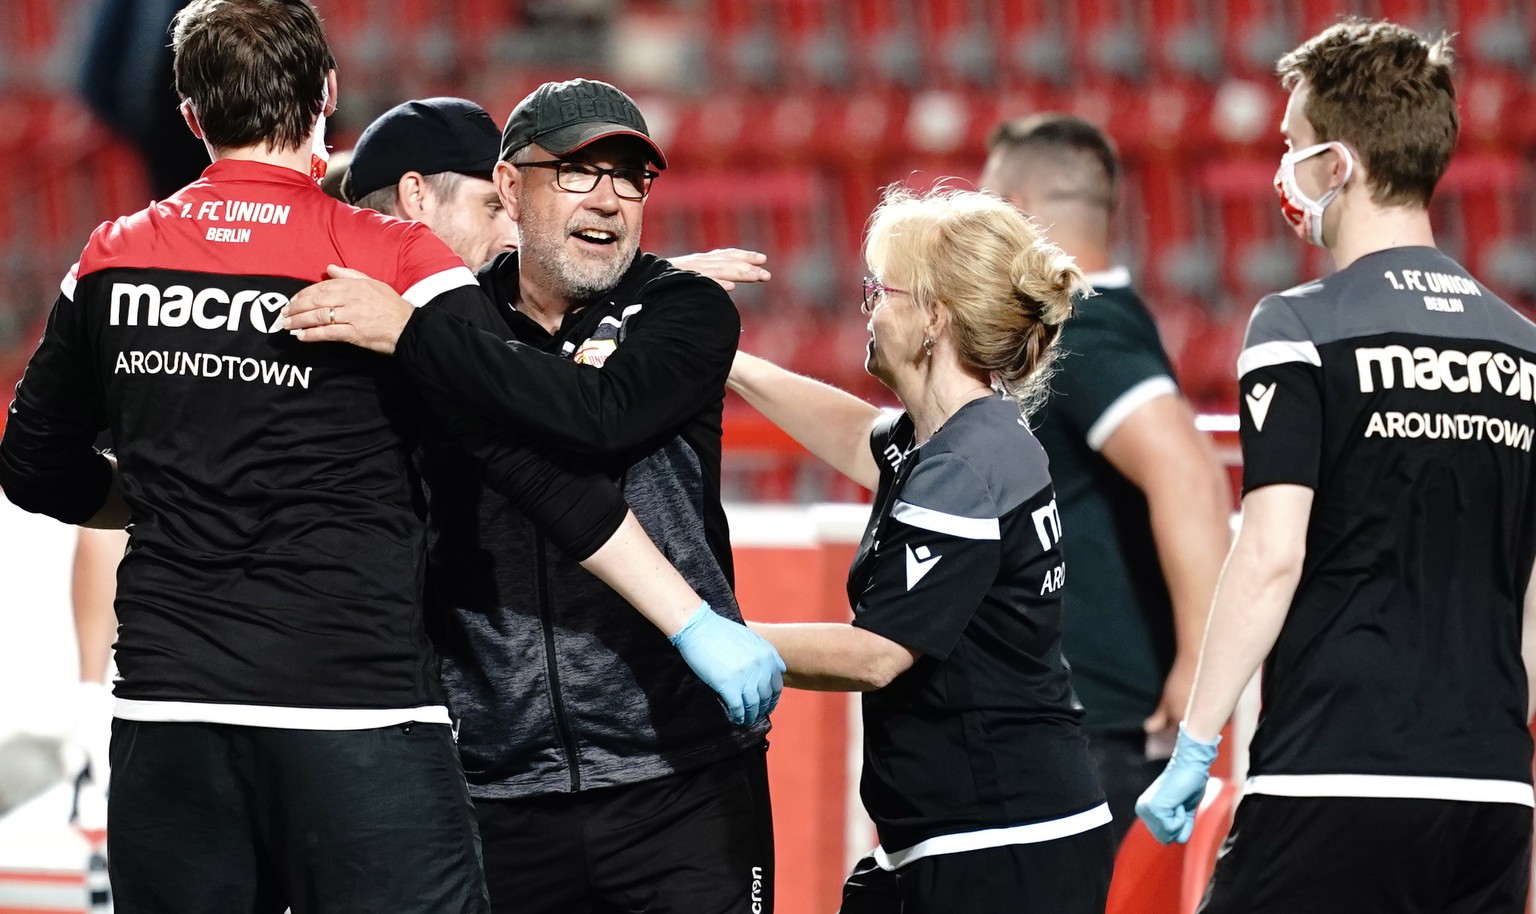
x,y
558,683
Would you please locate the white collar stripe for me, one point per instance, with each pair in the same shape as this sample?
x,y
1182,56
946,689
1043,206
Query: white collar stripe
x,y
1113,278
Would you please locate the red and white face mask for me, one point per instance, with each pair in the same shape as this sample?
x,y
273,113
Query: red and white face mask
x,y
1303,213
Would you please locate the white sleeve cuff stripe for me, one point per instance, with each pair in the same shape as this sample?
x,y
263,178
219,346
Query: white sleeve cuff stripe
x,y
1127,403
1277,352
971,528
67,286
438,283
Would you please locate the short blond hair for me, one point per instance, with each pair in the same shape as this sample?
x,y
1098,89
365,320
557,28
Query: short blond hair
x,y
1006,288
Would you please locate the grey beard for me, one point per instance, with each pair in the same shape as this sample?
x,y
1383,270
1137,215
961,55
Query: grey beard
x,y
583,285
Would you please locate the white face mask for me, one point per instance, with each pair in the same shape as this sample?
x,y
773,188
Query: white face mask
x,y
1303,213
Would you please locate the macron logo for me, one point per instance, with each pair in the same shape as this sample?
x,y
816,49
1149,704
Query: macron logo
x,y
1258,403
210,309
919,563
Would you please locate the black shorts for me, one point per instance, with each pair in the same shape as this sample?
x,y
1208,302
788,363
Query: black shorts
x,y
1125,772
1065,876
698,842
1359,855
218,818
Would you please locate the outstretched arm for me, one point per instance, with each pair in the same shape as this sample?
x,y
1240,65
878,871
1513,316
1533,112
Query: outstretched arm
x,y
831,423
835,656
726,266
583,513
672,362
744,670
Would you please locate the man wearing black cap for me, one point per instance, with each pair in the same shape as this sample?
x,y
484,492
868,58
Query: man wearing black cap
x,y
602,770
431,161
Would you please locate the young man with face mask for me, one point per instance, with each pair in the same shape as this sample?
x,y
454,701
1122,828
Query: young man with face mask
x,y
604,773
1389,528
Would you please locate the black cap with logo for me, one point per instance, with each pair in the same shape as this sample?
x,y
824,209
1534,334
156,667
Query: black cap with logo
x,y
430,136
563,117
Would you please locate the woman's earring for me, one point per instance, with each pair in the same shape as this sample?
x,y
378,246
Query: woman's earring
x,y
928,347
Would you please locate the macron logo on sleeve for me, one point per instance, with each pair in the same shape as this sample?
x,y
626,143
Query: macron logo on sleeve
x,y
1258,403
919,563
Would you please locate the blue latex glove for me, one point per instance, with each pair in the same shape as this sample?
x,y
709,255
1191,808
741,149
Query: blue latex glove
x,y
743,669
1168,806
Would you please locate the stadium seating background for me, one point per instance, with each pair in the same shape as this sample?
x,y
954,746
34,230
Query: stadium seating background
x,y
783,118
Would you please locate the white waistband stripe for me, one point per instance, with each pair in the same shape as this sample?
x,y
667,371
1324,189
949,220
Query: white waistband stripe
x,y
276,717
1394,787
1033,833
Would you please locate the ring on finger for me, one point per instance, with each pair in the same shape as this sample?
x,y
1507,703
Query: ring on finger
x,y
331,315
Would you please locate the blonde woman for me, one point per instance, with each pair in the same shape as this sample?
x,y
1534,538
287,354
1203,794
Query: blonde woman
x,y
975,773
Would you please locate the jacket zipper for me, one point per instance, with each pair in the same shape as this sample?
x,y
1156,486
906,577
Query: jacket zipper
x,y
547,619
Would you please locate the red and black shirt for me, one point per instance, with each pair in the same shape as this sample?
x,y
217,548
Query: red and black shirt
x,y
275,565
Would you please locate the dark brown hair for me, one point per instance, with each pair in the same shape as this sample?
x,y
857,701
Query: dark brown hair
x,y
1064,133
1387,92
254,70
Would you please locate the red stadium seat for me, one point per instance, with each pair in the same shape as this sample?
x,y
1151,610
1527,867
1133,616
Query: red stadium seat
x,y
1493,34
1481,199
1254,35
1147,876
1186,43
1212,823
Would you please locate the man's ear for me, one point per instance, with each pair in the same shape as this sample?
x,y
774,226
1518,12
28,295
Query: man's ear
x,y
507,177
411,196
190,116
1336,177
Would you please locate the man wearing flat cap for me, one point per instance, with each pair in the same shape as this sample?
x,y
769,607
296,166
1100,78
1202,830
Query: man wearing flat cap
x,y
605,775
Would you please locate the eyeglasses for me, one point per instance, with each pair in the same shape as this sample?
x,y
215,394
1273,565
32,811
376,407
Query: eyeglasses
x,y
875,289
580,177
